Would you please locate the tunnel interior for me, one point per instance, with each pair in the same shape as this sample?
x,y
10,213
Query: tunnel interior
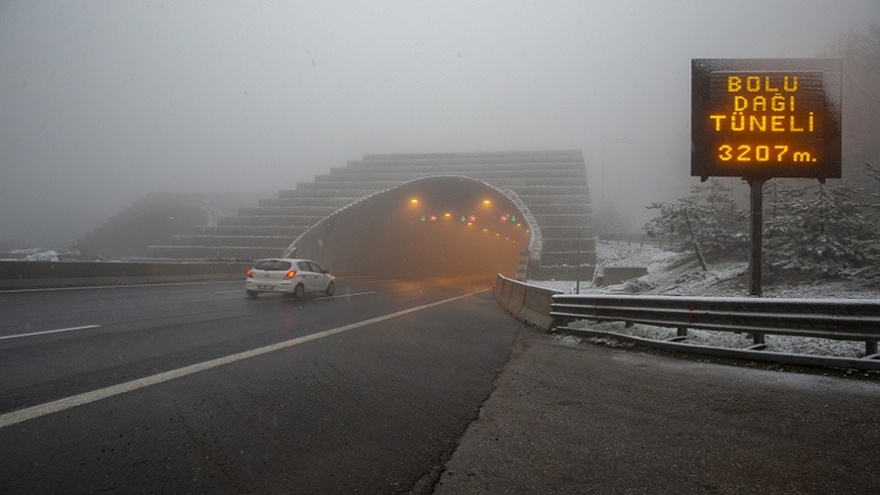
x,y
431,227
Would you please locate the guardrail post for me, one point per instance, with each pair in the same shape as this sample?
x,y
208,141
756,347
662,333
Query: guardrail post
x,y
758,339
870,347
681,332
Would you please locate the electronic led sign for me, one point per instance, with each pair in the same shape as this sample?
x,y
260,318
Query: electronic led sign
x,y
763,118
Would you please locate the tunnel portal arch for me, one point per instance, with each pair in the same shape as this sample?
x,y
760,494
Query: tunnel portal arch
x,y
431,226
551,184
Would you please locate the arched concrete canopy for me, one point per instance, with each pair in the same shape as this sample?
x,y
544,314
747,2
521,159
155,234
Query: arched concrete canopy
x,y
428,227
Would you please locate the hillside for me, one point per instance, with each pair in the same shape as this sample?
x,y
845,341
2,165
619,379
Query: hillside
x,y
679,273
671,273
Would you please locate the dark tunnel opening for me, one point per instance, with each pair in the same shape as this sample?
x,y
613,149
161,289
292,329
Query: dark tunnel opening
x,y
432,227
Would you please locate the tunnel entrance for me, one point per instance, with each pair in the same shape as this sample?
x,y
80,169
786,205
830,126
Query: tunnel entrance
x,y
430,227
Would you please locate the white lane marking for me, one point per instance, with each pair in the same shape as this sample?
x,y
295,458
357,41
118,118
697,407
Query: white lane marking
x,y
34,412
44,332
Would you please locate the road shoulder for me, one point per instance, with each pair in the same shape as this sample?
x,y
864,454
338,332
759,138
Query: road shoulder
x,y
567,417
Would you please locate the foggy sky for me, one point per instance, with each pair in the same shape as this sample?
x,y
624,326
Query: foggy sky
x,y
104,102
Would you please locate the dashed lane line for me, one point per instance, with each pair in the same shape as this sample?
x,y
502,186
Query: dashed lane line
x,y
45,332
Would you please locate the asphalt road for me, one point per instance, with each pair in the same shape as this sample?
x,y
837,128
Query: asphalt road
x,y
396,388
194,388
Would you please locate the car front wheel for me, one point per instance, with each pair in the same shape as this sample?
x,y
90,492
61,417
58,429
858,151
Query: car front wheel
x,y
252,294
331,288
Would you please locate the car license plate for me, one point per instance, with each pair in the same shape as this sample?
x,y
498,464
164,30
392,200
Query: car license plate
x,y
264,287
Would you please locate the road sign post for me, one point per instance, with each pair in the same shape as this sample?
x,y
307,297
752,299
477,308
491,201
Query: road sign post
x,y
756,200
764,118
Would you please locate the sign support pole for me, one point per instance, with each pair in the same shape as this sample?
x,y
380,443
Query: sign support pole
x,y
755,256
757,230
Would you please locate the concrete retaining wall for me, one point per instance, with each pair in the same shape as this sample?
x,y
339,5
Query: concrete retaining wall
x,y
565,272
527,303
614,275
43,274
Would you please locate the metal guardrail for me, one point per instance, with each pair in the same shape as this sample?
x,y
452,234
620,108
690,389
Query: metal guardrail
x,y
837,319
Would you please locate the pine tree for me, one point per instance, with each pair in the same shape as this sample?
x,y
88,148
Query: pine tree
x,y
709,221
860,51
818,229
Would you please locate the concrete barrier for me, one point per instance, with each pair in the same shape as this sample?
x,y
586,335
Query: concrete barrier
x,y
46,274
527,303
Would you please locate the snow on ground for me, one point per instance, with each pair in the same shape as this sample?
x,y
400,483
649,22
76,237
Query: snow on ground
x,y
671,273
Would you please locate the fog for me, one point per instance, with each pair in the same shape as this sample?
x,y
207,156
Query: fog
x,y
104,102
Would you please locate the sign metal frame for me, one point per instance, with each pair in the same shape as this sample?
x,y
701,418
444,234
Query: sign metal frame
x,y
763,118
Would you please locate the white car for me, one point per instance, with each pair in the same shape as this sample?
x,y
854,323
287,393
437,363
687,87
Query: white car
x,y
289,276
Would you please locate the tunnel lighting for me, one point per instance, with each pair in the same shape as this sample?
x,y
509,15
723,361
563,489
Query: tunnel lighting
x,y
487,202
414,201
447,216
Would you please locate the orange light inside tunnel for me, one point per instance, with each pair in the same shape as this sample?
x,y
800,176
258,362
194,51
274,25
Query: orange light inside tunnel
x,y
398,233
